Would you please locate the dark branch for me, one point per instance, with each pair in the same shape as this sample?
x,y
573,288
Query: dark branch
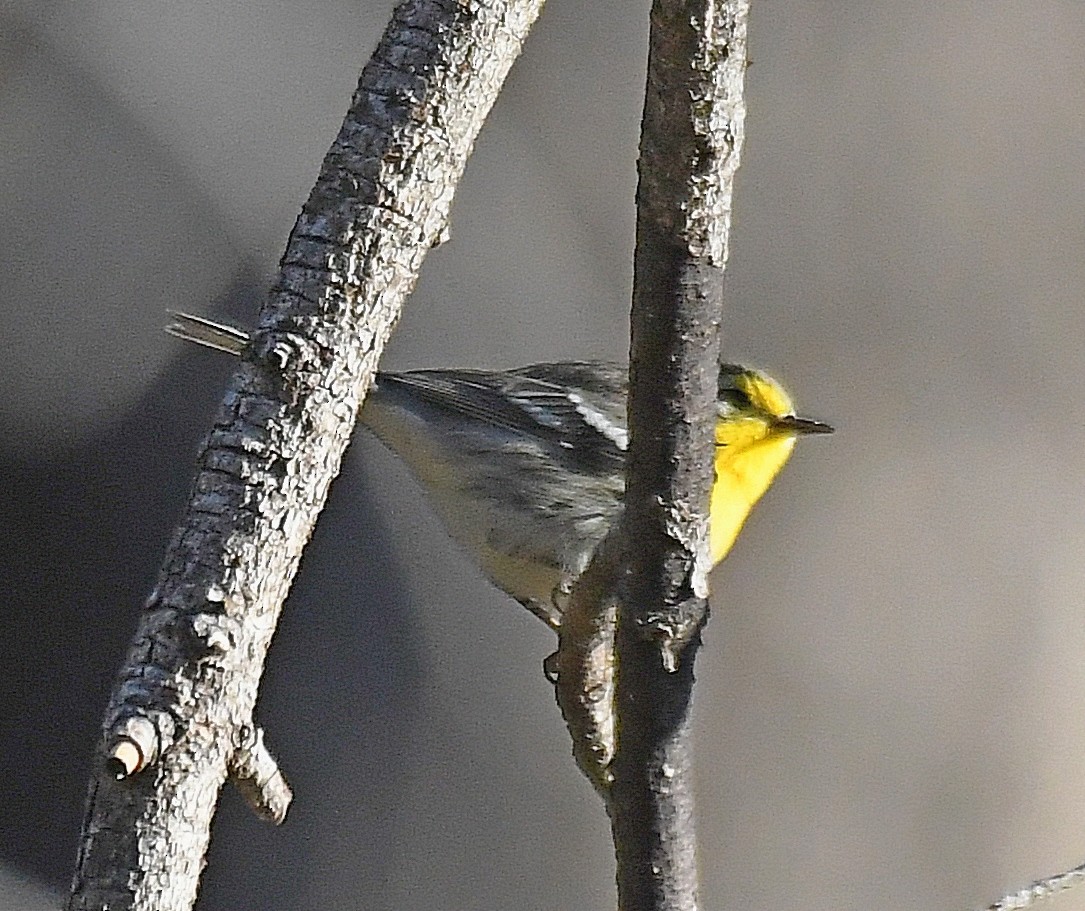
x,y
690,142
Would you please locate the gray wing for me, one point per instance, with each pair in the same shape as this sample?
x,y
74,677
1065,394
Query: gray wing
x,y
574,411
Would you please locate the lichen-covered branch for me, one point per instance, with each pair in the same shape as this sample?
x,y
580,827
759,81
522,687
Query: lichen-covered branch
x,y
181,716
690,143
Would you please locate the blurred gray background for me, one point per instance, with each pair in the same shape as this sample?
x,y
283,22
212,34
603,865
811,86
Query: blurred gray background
x,y
889,703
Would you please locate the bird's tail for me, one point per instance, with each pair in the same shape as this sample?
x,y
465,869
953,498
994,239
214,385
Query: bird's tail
x,y
205,332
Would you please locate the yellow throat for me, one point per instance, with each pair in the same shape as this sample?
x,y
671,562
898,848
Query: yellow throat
x,y
756,429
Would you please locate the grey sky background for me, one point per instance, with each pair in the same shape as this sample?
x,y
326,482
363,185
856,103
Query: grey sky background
x,y
888,708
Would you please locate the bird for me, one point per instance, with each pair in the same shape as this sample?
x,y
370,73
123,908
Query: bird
x,y
526,467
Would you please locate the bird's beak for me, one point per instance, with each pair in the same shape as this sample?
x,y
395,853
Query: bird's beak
x,y
791,424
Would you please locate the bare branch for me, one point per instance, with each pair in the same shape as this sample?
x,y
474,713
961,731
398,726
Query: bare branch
x,y
181,716
585,678
1040,891
256,774
690,142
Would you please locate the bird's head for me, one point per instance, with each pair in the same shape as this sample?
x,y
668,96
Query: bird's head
x,y
751,405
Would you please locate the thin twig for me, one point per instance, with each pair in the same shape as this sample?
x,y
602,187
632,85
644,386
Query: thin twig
x,y
1040,891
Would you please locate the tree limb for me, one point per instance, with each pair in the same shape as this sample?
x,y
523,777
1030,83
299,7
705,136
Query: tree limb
x,y
180,719
690,143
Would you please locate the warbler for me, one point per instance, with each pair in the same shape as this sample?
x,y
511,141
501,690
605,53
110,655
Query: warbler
x,y
526,467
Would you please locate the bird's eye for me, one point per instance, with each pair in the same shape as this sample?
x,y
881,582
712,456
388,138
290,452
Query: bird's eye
x,y
732,400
